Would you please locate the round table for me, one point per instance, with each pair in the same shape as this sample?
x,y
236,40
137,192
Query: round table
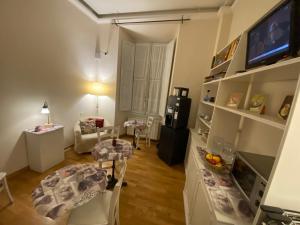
x,y
137,125
105,151
68,188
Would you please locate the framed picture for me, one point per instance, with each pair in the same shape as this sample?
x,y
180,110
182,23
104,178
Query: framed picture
x,y
225,54
234,100
285,108
257,104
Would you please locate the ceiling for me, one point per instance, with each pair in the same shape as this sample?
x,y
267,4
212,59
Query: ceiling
x,y
104,8
126,6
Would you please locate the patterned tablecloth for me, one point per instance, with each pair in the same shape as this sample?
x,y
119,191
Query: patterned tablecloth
x,y
136,124
105,151
68,188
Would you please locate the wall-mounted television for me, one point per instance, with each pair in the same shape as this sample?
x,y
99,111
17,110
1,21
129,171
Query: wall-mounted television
x,y
275,37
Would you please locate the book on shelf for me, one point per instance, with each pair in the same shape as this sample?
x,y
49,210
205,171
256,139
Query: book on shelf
x,y
233,48
226,54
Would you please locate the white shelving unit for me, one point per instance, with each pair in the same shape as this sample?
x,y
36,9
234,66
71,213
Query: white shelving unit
x,y
208,103
211,82
266,119
222,65
248,131
205,122
274,81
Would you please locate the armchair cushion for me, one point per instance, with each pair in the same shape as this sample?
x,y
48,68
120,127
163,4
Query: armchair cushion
x,y
88,126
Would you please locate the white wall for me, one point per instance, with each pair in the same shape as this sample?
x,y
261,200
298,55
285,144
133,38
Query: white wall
x,y
154,33
107,69
246,13
47,53
194,52
224,25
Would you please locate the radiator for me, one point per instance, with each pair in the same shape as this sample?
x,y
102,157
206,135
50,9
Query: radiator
x,y
155,129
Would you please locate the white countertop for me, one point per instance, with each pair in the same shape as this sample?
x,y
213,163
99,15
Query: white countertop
x,y
44,131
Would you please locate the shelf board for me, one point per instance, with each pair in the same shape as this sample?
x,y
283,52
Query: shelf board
x,y
204,122
209,103
213,82
268,120
285,70
223,64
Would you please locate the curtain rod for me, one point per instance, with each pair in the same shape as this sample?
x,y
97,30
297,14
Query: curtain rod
x,y
150,21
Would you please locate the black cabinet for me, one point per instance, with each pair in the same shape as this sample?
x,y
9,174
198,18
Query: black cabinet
x,y
173,144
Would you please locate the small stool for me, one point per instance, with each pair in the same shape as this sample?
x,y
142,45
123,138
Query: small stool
x,y
3,185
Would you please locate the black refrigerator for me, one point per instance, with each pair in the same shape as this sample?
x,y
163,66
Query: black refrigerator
x,y
174,134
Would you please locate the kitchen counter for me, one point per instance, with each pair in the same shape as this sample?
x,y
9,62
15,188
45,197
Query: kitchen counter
x,y
222,195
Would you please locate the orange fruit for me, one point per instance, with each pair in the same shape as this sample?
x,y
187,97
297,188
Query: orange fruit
x,y
217,158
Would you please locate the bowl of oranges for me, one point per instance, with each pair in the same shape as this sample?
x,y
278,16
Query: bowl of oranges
x,y
214,161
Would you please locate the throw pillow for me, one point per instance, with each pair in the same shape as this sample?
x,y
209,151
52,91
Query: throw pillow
x,y
88,126
99,122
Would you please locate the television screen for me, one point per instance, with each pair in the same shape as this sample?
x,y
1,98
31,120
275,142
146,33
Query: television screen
x,y
271,37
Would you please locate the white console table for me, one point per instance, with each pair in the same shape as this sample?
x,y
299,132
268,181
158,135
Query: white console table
x,y
45,148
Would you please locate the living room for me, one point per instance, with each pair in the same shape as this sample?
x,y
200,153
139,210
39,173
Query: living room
x,y
64,62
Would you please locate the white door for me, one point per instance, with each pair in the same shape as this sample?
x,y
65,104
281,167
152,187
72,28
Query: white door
x,y
157,62
141,70
126,81
165,82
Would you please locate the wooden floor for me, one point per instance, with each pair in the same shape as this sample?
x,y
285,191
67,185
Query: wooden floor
x,y
153,195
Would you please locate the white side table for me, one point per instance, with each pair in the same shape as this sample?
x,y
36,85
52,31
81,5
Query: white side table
x,y
45,148
3,185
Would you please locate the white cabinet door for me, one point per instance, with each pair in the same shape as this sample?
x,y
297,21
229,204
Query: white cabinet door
x,y
126,81
191,183
201,213
141,70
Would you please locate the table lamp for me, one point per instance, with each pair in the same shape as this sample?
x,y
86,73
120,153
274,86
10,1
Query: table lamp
x,y
45,110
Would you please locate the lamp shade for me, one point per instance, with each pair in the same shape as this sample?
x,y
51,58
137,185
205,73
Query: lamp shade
x,y
97,89
45,109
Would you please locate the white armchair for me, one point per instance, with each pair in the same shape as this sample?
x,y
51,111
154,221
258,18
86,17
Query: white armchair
x,y
86,142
